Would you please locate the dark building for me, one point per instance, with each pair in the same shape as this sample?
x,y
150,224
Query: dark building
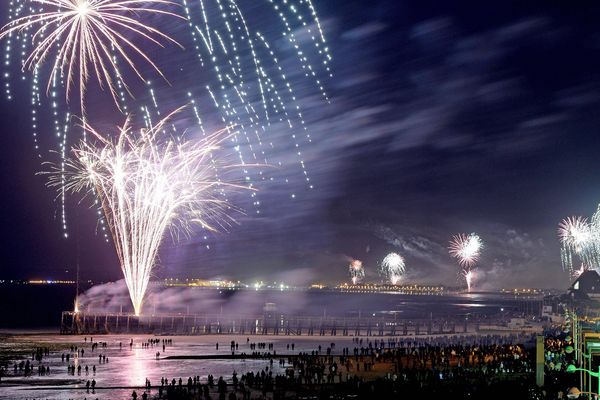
x,y
587,285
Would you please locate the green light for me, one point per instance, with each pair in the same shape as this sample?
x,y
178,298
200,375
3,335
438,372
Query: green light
x,y
569,349
571,368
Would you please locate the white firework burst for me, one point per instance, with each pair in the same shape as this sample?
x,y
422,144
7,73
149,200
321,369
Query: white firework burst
x,y
83,37
145,187
393,267
466,248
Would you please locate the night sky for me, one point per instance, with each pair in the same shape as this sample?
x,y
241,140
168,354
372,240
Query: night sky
x,y
445,117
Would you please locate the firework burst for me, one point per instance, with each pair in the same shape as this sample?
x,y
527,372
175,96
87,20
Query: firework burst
x,y
146,187
467,250
86,37
393,267
356,270
580,239
233,70
575,232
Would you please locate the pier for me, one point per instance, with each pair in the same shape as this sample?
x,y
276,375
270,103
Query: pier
x,y
267,324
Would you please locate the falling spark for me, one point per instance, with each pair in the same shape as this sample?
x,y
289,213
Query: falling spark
x,y
393,267
357,272
251,87
86,35
147,187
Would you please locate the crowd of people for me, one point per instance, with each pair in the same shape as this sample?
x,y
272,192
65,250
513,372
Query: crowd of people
x,y
367,367
372,366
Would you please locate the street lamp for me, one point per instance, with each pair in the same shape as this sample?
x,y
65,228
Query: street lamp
x,y
571,368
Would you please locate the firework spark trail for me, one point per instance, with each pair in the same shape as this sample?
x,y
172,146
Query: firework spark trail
x,y
593,257
249,71
580,238
245,72
356,270
147,187
467,250
91,33
86,34
393,267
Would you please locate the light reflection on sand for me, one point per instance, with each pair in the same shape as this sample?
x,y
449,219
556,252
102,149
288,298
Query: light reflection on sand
x,y
130,367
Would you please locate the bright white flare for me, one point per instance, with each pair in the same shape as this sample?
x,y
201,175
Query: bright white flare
x,y
469,275
357,272
466,248
146,187
393,267
87,36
